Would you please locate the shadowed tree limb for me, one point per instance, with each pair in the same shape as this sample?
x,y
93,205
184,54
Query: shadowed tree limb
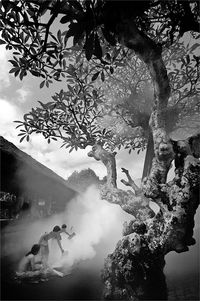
x,y
108,159
130,182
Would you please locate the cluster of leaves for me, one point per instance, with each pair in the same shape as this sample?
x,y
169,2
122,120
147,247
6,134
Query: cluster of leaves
x,y
126,105
43,53
91,24
129,91
78,120
171,19
71,115
183,65
35,48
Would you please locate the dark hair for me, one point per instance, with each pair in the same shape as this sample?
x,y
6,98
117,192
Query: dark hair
x,y
34,250
56,229
64,226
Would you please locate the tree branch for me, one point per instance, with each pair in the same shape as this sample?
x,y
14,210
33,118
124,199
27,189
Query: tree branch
x,y
108,159
130,182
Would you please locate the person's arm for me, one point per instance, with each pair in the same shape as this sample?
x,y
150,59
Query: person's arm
x,y
32,261
64,231
59,244
41,240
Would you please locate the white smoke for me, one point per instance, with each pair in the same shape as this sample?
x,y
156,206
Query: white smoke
x,y
95,221
100,220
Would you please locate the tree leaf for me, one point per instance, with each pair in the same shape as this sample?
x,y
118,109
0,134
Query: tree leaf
x,y
94,77
22,139
108,36
21,75
196,45
76,5
66,19
102,76
74,29
14,70
98,49
15,64
42,84
89,46
59,36
35,73
111,70
70,89
71,149
2,42
78,35
188,58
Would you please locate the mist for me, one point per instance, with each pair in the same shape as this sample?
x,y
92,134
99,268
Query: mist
x,y
97,224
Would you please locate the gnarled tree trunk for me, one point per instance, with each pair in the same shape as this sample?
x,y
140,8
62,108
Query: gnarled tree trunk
x,y
135,269
148,157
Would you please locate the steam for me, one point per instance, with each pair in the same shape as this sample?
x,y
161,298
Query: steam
x,y
97,224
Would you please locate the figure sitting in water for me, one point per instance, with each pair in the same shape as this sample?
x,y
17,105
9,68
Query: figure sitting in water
x,y
44,246
28,267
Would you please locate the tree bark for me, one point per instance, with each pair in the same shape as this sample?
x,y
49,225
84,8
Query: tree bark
x,y
108,159
138,259
148,157
130,182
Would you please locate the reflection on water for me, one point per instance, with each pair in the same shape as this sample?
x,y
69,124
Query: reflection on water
x,y
182,270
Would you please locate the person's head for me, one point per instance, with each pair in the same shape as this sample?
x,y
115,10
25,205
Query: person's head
x,y
56,229
64,226
34,250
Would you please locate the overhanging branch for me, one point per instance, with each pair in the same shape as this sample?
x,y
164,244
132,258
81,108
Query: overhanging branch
x,y
130,182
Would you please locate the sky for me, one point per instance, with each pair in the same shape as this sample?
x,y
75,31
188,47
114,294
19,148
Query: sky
x,y
18,97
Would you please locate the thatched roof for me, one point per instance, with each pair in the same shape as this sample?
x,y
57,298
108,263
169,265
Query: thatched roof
x,y
21,174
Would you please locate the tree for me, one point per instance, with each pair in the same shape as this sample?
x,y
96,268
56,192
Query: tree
x,y
129,96
102,29
80,181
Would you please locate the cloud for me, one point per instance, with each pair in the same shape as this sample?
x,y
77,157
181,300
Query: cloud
x,y
59,159
14,104
56,158
8,113
23,93
5,67
51,155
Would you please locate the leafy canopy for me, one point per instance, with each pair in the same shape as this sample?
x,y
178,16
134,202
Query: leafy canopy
x,y
87,29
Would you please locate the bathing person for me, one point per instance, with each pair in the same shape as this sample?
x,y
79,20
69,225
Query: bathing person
x,y
28,265
63,230
44,246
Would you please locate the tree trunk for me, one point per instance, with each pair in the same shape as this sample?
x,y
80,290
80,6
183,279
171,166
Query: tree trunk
x,y
108,159
136,265
148,157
